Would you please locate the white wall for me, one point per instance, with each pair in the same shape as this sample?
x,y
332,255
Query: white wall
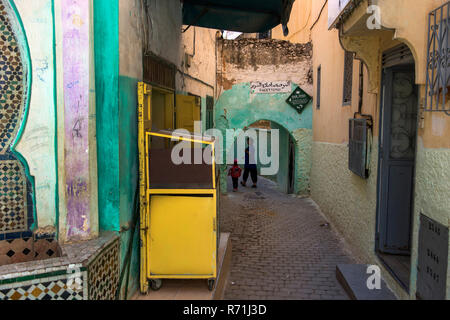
x,y
38,141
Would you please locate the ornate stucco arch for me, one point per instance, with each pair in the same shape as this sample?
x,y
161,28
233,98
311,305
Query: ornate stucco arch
x,y
395,28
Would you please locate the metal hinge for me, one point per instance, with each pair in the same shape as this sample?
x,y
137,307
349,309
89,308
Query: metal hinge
x,y
214,224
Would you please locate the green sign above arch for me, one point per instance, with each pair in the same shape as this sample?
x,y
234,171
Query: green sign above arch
x,y
299,99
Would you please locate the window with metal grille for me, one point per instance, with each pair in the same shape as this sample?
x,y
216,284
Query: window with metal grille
x,y
209,112
348,78
319,80
159,72
438,60
357,149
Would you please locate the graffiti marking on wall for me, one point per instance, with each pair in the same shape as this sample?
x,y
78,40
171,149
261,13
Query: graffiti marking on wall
x,y
75,13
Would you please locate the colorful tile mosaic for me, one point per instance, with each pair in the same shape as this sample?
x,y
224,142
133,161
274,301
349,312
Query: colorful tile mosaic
x,y
28,249
86,270
46,249
13,197
16,208
47,287
104,274
12,83
16,251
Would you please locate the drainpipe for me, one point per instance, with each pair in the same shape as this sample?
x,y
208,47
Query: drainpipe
x,y
361,86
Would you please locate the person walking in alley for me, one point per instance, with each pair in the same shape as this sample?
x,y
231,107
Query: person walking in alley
x,y
250,165
235,173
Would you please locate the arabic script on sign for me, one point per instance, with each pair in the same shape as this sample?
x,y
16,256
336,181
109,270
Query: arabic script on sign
x,y
270,87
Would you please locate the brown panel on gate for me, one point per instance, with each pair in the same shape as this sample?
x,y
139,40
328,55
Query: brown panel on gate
x,y
159,72
164,174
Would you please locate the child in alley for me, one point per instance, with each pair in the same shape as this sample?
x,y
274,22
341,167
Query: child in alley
x,y
235,173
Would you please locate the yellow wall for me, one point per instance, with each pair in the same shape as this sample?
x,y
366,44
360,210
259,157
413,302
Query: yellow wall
x,y
330,122
304,15
348,201
408,22
309,22
299,24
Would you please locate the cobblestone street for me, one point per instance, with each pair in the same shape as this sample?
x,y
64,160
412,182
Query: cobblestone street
x,y
282,246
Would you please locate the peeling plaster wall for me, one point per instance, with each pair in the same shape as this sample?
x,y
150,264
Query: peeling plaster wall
x,y
238,108
199,44
243,61
37,144
249,60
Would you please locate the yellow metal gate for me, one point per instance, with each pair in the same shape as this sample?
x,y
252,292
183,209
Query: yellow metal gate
x,y
178,204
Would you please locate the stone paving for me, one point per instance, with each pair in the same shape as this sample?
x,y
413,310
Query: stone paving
x,y
283,247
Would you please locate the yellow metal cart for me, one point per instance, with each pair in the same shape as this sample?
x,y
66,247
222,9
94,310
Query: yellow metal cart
x,y
179,227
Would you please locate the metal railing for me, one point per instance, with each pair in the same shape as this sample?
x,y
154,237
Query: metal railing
x,y
438,60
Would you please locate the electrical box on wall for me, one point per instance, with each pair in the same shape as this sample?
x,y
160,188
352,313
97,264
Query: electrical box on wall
x,y
187,60
432,260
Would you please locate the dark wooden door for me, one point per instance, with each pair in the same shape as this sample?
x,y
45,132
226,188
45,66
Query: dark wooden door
x,y
397,159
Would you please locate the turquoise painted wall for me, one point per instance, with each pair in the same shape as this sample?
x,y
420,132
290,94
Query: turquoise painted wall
x,y
116,136
106,28
238,108
128,169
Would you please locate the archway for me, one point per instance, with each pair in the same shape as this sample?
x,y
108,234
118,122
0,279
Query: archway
x,y
238,108
286,150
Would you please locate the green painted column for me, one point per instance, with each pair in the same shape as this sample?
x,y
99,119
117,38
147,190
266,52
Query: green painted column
x,y
106,28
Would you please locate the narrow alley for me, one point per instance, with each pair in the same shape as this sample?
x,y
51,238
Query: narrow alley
x,y
283,248
129,128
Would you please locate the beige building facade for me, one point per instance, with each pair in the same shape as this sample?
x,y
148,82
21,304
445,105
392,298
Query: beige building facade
x,y
357,47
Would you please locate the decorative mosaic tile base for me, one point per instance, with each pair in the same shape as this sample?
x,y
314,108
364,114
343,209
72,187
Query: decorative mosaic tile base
x,y
16,251
13,197
47,287
87,270
29,249
104,274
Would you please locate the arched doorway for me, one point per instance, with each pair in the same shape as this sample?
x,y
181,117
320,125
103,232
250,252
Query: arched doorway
x,y
286,150
237,109
397,162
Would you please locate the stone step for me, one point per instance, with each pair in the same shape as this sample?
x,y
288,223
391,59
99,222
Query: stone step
x,y
353,278
196,289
